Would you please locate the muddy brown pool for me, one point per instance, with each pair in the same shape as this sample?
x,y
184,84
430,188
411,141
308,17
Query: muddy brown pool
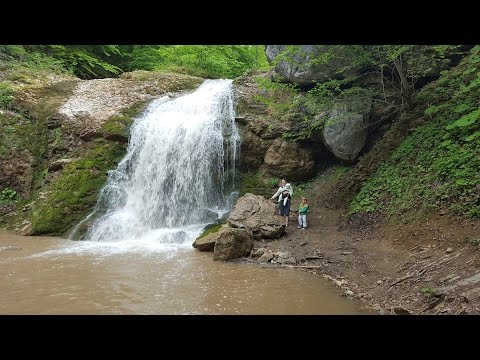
x,y
46,275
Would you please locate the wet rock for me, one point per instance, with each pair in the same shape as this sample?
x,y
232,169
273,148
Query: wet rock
x,y
284,258
266,257
233,243
258,214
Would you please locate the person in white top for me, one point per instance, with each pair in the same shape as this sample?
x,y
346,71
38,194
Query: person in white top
x,y
284,193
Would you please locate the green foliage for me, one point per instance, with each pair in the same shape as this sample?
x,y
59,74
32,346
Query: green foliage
x,y
274,181
6,95
211,61
278,97
19,60
87,61
99,61
258,184
465,120
438,165
303,189
74,193
428,292
476,242
7,196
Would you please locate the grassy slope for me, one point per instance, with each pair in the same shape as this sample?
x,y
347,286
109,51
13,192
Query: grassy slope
x,y
438,165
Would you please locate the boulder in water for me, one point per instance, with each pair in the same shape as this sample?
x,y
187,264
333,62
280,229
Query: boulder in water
x,y
232,243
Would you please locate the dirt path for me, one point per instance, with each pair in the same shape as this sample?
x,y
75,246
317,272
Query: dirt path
x,y
427,268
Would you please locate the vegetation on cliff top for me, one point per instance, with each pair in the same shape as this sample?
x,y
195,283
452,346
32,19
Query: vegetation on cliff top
x,y
99,61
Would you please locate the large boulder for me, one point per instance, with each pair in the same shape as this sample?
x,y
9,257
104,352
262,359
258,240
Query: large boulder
x,y
233,243
296,64
258,214
345,133
289,160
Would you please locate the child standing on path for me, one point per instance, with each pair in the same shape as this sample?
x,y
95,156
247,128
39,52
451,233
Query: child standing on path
x,y
302,214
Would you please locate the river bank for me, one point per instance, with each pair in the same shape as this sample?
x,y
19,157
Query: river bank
x,y
430,267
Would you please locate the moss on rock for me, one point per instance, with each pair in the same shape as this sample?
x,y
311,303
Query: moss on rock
x,y
74,193
210,229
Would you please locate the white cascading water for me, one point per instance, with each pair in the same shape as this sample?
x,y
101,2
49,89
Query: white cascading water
x,y
178,174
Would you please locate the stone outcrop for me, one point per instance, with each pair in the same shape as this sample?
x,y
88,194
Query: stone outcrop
x,y
297,66
93,102
289,160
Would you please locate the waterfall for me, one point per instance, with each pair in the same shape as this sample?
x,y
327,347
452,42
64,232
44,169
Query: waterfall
x,y
179,171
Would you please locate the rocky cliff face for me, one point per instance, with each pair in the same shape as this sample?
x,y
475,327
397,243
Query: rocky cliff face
x,y
263,147
62,136
305,64
266,149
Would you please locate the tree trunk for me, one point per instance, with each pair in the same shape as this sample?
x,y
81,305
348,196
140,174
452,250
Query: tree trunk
x,y
404,88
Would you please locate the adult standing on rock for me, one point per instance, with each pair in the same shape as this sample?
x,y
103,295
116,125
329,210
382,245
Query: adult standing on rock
x,y
284,193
